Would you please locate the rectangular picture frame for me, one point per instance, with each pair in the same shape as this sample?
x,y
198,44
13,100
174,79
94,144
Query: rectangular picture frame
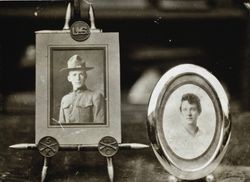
x,y
85,115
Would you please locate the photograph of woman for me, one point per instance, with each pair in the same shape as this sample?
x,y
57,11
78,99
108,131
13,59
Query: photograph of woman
x,y
189,121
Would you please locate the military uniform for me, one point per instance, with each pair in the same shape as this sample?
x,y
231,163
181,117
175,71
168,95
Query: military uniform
x,y
82,106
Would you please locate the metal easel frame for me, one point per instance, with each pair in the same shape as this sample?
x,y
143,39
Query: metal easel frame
x,y
108,146
48,147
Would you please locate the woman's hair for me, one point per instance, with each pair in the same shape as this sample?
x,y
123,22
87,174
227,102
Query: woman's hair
x,y
192,99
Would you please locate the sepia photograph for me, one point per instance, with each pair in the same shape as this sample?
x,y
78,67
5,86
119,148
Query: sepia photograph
x,y
172,75
78,89
189,121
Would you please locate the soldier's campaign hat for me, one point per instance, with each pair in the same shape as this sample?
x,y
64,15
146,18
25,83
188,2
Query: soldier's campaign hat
x,y
75,62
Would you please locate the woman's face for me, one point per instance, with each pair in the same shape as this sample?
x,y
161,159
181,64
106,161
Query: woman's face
x,y
190,112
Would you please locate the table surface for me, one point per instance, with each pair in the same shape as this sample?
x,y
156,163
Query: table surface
x,y
133,165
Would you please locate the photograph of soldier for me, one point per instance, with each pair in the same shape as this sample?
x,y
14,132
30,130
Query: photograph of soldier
x,y
81,105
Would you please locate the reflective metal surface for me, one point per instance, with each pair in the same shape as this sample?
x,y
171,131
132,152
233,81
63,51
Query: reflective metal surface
x,y
79,31
205,163
108,146
48,146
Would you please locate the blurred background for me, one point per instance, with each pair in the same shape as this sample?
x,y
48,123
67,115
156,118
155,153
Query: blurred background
x,y
155,35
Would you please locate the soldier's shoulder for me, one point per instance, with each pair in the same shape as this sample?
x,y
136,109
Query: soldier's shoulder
x,y
67,97
92,94
97,95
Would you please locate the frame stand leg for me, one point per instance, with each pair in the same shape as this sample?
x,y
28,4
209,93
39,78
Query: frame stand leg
x,y
210,178
172,178
110,169
45,168
47,147
108,147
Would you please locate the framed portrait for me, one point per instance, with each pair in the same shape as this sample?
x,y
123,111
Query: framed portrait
x,y
77,87
189,122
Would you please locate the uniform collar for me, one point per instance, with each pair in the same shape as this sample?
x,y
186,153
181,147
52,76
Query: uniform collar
x,y
80,89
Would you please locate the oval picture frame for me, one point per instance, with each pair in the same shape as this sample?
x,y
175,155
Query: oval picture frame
x,y
189,122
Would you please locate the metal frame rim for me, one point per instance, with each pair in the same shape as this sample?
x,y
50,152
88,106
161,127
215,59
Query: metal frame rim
x,y
153,132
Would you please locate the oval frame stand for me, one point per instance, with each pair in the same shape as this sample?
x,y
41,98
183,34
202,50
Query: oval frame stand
x,y
166,104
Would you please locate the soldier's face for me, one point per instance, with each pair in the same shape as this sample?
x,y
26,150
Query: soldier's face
x,y
190,112
77,78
